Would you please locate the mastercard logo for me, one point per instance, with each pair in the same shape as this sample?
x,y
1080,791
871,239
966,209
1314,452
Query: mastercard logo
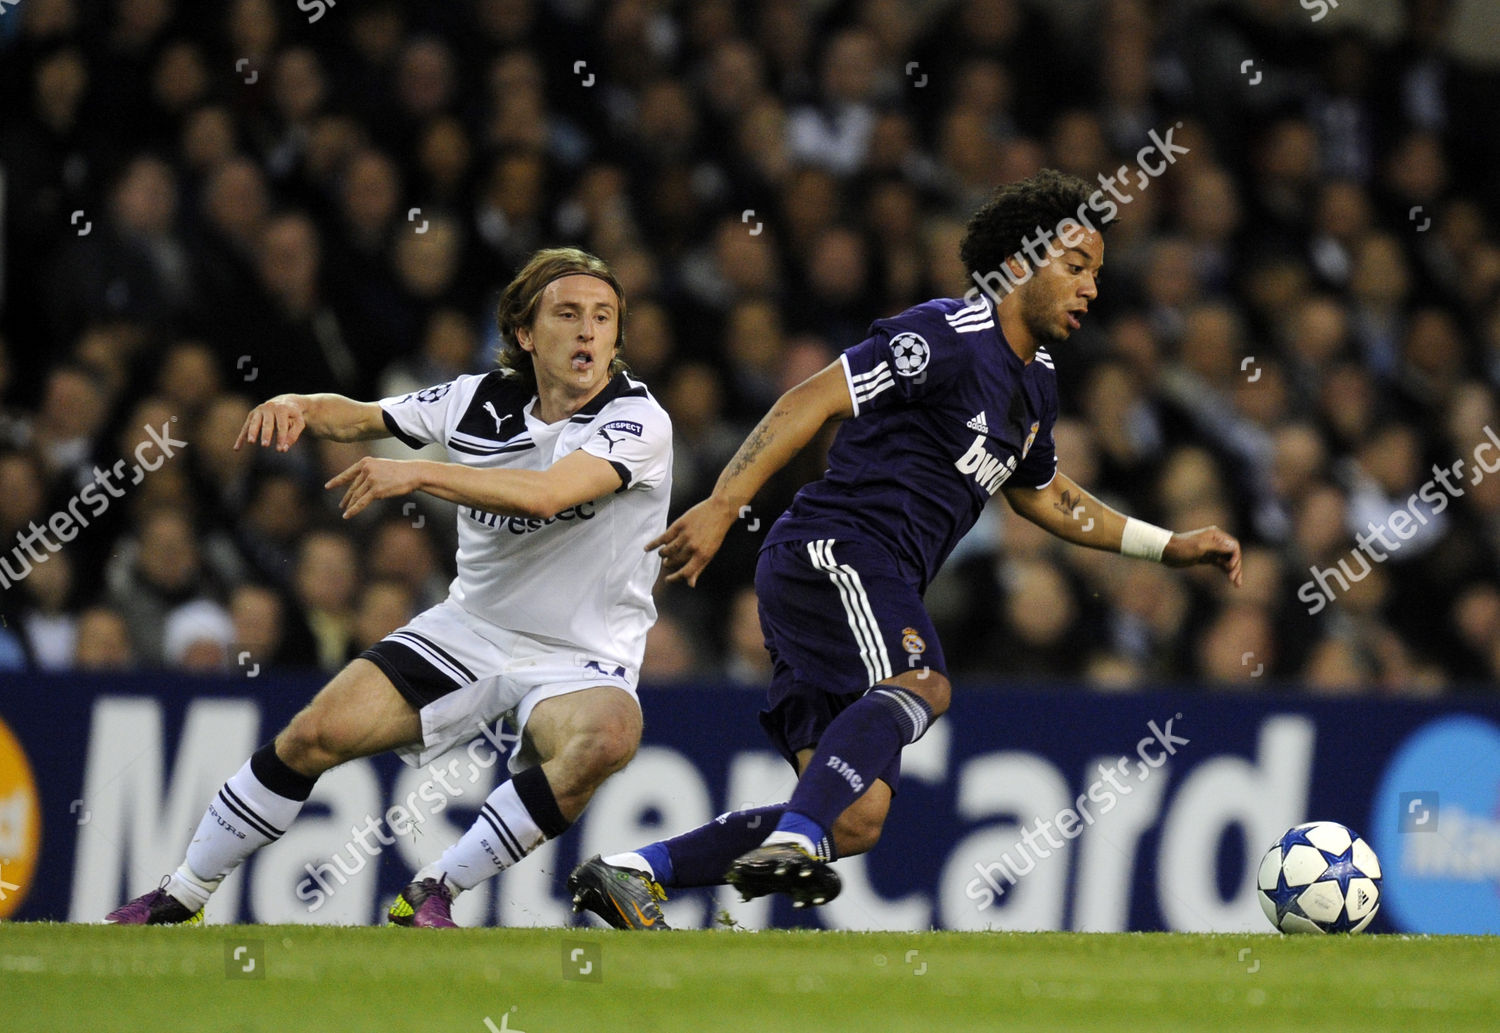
x,y
20,823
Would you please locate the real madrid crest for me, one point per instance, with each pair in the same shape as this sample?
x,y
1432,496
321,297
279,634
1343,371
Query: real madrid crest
x,y
912,642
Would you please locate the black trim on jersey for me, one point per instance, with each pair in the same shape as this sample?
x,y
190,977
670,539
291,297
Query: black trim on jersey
x,y
520,446
619,386
507,396
399,434
418,680
623,471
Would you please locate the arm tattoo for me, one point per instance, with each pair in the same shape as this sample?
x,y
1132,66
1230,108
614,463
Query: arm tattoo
x,y
754,445
1070,504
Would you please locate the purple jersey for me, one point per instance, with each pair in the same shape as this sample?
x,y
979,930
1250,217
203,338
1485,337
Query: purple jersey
x,y
945,414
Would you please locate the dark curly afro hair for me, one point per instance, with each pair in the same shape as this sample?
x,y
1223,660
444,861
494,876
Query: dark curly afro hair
x,y
1019,210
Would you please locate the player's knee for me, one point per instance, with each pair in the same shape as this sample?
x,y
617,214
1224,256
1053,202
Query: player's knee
x,y
939,694
613,748
602,748
934,689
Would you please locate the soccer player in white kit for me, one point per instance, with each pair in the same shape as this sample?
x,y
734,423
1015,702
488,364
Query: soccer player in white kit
x,y
561,468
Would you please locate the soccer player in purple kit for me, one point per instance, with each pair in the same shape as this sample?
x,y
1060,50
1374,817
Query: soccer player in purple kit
x,y
943,406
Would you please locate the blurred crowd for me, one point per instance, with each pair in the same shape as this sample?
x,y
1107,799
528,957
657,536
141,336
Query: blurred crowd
x,y
207,204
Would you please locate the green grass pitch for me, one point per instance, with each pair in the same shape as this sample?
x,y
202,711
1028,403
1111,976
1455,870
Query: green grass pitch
x,y
56,977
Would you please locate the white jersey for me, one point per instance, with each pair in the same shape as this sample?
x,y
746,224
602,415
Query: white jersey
x,y
581,578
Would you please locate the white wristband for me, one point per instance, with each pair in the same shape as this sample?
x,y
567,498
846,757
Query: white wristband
x,y
1144,541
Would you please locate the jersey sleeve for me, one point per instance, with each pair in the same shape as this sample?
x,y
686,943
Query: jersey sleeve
x,y
634,435
1040,464
901,361
426,416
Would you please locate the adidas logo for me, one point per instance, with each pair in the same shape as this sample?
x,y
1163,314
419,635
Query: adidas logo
x,y
977,424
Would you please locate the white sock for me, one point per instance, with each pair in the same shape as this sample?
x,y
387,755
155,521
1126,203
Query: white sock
x,y
241,818
503,834
189,890
795,839
631,859
435,871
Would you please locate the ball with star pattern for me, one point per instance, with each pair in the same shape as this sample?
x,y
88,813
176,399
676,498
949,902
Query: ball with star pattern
x,y
1320,877
910,353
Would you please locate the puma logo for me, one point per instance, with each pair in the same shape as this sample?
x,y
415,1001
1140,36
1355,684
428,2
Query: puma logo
x,y
489,407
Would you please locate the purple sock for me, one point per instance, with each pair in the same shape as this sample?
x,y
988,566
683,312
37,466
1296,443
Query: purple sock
x,y
857,746
660,860
702,856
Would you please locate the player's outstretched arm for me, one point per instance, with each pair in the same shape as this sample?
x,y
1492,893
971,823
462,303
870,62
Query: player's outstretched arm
x,y
534,494
691,540
280,421
1066,510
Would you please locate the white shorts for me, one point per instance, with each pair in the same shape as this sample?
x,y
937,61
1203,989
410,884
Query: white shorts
x,y
460,671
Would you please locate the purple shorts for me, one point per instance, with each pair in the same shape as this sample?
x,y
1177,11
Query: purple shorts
x,y
837,619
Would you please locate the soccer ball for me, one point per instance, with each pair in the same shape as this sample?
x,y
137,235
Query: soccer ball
x,y
1319,878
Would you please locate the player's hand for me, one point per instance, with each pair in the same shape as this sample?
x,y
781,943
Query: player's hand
x,y
1205,545
371,479
279,421
691,540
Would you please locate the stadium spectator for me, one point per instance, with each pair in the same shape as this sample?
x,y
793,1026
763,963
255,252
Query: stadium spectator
x,y
197,638
74,409
48,622
746,661
261,628
402,550
384,606
158,569
276,516
103,641
326,583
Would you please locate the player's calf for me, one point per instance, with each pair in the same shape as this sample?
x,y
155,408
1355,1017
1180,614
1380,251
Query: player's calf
x,y
858,829
855,754
253,808
582,738
519,816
